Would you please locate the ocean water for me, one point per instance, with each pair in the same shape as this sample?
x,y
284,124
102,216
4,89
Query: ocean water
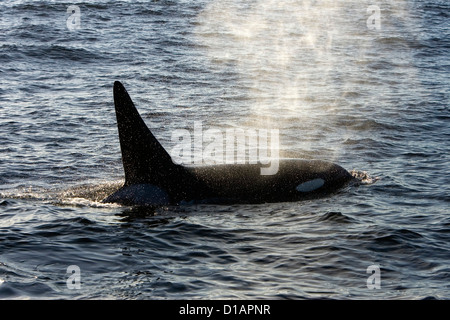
x,y
364,84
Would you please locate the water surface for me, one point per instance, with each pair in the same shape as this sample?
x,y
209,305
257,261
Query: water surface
x,y
376,101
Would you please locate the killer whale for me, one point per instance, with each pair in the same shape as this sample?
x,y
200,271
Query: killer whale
x,y
152,178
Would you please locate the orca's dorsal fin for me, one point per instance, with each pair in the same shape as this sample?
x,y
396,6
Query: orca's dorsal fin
x,y
144,158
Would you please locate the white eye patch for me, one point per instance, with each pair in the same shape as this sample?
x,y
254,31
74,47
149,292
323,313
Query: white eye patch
x,y
310,185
